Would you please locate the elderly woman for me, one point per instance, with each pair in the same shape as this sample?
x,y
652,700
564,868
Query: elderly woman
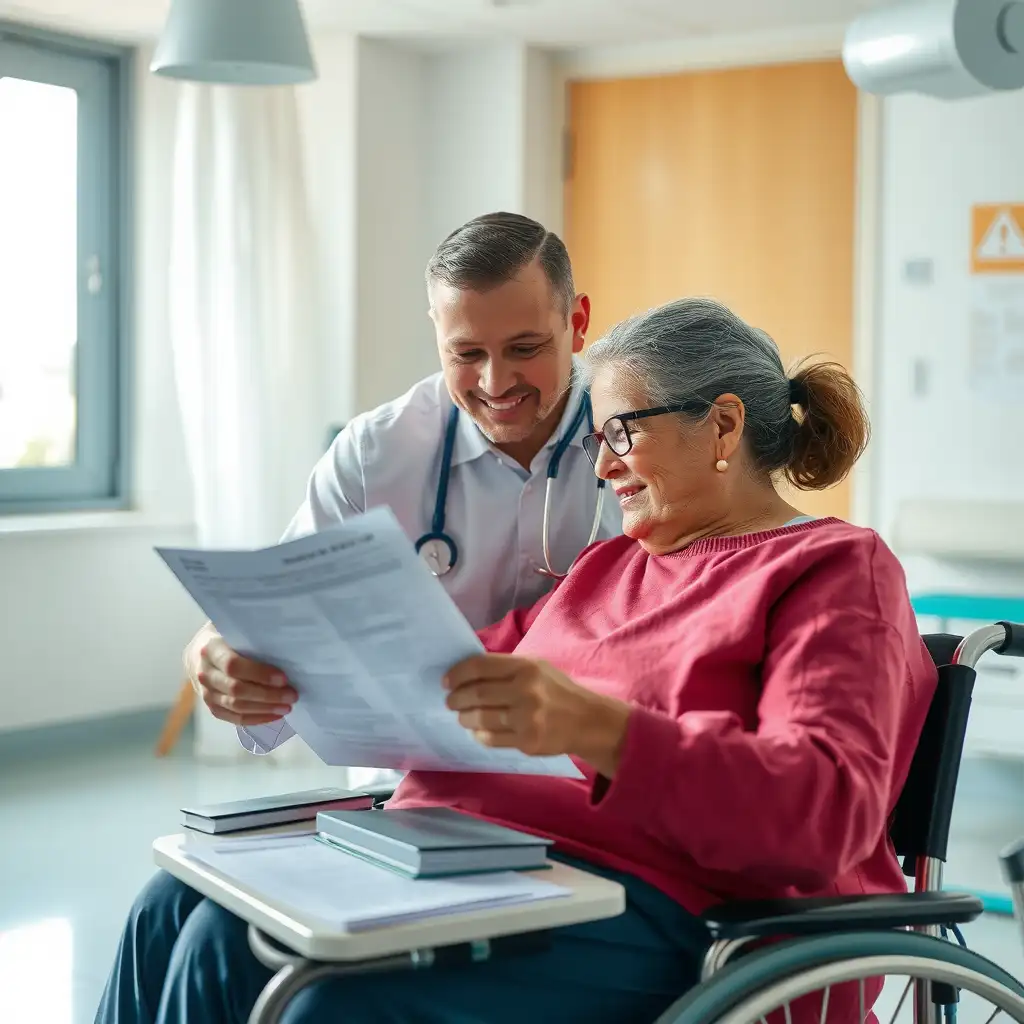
x,y
742,686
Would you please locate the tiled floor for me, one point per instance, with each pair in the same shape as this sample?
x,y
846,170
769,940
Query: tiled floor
x,y
75,832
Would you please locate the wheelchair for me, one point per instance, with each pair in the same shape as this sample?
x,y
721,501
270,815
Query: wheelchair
x,y
788,960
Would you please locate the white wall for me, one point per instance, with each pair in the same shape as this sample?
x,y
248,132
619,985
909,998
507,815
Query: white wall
x,y
440,138
474,135
395,346
401,148
328,122
945,441
363,124
544,112
92,621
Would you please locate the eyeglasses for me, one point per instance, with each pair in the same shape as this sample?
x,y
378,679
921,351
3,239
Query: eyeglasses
x,y
615,432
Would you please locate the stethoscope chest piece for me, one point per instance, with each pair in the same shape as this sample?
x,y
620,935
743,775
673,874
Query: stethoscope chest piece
x,y
438,551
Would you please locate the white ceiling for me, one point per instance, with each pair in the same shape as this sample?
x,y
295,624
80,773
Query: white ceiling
x,y
553,23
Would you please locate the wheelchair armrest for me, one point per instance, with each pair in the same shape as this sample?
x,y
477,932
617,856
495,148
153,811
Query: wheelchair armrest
x,y
820,914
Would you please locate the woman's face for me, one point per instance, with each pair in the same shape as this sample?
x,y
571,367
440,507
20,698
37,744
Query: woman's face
x,y
667,484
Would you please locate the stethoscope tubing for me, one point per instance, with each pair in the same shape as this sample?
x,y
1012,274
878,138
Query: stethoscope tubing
x,y
437,531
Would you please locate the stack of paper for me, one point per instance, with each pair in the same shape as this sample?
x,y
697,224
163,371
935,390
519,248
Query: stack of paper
x,y
356,896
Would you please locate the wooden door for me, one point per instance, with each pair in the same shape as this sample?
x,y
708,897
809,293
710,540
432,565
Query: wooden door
x,y
737,184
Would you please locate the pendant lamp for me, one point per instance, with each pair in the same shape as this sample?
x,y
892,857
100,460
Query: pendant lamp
x,y
235,42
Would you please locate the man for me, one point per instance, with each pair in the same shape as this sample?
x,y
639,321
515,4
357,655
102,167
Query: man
x,y
508,322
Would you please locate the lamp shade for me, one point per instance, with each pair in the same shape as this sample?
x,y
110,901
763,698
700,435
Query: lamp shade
x,y
235,42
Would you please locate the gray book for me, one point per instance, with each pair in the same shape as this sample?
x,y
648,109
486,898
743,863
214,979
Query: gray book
x,y
430,842
279,809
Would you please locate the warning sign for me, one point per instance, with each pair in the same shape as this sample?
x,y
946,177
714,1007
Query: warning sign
x,y
998,239
996,324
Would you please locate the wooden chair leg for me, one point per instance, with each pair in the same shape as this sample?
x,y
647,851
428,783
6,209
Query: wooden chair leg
x,y
176,719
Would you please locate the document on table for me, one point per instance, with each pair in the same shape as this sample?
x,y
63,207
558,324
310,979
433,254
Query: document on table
x,y
365,633
356,896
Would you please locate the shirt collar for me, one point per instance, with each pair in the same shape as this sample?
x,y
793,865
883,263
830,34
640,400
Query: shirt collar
x,y
470,443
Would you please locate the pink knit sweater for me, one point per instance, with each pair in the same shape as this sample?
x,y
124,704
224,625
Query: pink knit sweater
x,y
779,686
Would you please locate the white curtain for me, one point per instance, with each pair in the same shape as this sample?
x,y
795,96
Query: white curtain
x,y
243,321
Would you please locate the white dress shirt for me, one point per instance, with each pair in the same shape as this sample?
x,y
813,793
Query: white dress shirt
x,y
494,512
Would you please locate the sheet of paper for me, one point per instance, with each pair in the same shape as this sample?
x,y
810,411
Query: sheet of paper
x,y
365,634
996,338
356,896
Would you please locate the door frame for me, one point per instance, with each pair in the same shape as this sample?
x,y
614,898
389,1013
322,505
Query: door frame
x,y
706,54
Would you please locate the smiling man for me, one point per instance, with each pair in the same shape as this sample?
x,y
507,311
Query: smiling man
x,y
507,345
463,457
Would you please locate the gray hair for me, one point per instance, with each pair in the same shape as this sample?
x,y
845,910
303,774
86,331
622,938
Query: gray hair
x,y
691,351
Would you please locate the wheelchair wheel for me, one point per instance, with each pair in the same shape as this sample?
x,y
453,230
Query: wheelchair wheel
x,y
759,985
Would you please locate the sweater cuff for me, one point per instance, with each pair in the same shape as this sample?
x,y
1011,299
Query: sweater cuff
x,y
649,754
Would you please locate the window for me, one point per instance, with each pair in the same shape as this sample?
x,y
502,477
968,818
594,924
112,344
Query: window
x,y
62,283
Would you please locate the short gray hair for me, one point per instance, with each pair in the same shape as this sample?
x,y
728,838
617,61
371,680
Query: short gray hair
x,y
691,351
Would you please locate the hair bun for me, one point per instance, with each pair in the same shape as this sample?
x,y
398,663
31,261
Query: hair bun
x,y
832,426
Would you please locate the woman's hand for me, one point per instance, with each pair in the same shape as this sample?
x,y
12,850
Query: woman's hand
x,y
518,702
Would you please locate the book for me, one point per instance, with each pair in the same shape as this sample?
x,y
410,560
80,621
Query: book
x,y
431,842
278,809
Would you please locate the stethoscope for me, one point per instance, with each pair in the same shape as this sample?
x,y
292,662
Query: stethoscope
x,y
440,551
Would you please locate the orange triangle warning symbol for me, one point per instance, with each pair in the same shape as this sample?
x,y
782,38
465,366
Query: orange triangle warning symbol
x,y
998,239
1004,241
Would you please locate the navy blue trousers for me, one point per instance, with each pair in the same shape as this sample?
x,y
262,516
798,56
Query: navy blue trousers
x,y
182,958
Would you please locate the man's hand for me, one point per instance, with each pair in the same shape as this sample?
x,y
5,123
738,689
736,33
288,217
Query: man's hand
x,y
239,690
518,702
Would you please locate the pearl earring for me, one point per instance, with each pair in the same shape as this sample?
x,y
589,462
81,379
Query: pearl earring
x,y
721,465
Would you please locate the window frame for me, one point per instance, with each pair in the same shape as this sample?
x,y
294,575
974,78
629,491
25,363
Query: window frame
x,y
103,75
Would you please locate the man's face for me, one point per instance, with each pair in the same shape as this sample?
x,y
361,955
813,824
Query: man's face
x,y
507,353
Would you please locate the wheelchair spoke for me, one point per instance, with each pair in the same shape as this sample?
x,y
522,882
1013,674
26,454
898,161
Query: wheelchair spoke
x,y
824,1004
994,1015
789,1014
903,999
860,1019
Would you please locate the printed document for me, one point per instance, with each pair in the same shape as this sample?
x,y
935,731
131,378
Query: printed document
x,y
356,896
365,633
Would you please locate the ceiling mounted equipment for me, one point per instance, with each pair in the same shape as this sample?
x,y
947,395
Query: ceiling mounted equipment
x,y
949,49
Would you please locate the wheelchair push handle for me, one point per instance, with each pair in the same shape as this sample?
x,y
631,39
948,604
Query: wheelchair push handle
x,y
1013,645
1005,638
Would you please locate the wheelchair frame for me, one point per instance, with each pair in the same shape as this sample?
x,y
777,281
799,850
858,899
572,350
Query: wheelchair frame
x,y
919,830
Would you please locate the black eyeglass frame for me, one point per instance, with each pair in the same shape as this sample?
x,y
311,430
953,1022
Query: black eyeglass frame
x,y
598,437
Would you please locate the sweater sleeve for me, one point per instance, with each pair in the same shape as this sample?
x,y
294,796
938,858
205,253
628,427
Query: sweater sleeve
x,y
503,636
805,796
